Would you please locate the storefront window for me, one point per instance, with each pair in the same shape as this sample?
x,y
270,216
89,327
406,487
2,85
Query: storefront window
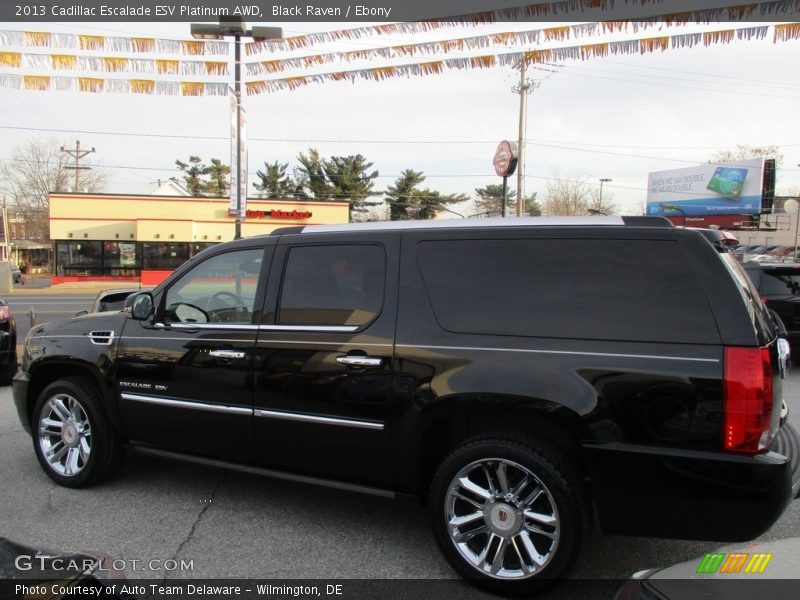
x,y
198,247
164,256
121,259
80,258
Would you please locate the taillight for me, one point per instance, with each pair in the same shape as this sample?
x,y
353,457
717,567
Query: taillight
x,y
4,313
748,399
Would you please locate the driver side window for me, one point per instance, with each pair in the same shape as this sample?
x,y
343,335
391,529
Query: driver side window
x,y
221,289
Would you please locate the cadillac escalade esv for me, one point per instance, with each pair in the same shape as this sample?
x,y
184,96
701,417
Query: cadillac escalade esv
x,y
516,374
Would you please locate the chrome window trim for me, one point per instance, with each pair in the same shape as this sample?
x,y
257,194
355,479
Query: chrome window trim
x,y
290,416
236,410
567,352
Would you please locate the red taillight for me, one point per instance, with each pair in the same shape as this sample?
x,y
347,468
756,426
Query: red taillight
x,y
4,312
748,399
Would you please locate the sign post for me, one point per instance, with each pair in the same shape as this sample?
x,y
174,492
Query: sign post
x,y
505,163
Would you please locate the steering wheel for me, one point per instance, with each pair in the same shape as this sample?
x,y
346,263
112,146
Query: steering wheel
x,y
235,307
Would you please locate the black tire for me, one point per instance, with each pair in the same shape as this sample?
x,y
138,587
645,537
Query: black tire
x,y
8,371
509,530
76,404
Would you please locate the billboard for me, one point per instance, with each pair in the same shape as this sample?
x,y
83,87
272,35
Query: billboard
x,y
713,189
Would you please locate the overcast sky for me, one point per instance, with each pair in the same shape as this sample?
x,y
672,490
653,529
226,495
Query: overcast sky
x,y
617,118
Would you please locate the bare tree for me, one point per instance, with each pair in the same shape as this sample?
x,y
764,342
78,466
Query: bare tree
x,y
604,205
574,196
744,152
35,170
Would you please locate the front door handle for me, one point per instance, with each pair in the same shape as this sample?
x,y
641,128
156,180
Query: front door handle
x,y
357,360
229,354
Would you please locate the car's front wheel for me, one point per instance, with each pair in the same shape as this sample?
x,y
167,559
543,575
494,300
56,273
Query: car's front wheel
x,y
73,439
508,513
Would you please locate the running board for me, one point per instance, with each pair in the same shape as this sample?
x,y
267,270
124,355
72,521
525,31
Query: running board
x,y
211,462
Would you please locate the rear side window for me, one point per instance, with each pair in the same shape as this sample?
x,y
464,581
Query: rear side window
x,y
637,290
332,285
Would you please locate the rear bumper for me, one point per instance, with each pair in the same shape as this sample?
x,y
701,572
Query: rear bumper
x,y
662,492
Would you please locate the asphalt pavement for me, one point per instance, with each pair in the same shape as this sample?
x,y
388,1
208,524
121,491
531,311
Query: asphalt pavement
x,y
232,525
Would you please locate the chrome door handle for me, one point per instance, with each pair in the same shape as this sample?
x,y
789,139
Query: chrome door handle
x,y
229,354
352,360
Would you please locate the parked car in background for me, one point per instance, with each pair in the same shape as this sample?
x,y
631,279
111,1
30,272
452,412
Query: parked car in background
x,y
8,344
111,299
778,284
16,274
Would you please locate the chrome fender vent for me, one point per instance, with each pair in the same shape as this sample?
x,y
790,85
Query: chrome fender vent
x,y
101,338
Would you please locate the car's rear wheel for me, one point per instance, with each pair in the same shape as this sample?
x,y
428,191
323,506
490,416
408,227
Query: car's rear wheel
x,y
508,513
73,439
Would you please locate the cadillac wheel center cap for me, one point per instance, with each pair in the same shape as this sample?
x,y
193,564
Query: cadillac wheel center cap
x,y
70,434
503,518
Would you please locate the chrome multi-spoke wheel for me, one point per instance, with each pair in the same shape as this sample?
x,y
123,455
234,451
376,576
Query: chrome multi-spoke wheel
x,y
73,439
65,435
509,513
502,519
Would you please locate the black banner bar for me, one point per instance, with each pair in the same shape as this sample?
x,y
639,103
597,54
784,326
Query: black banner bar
x,y
359,11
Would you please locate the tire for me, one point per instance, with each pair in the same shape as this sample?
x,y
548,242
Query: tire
x,y
73,439
8,371
484,523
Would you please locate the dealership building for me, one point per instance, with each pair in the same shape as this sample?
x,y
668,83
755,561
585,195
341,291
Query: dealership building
x,y
144,238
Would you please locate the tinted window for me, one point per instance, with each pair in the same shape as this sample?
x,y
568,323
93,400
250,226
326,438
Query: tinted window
x,y
780,282
636,290
221,289
332,285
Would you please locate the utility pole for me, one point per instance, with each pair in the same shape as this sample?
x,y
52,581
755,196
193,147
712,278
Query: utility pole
x,y
525,87
77,154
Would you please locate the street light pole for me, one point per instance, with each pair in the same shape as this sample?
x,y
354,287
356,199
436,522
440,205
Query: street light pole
x,y
237,90
600,198
235,27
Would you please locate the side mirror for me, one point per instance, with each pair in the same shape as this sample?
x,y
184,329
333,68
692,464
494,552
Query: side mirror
x,y
140,305
80,313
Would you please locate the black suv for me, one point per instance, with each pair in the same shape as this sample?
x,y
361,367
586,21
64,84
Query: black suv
x,y
513,373
778,284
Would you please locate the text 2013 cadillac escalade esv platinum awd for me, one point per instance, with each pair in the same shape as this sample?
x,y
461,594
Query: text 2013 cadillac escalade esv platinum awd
x,y
513,373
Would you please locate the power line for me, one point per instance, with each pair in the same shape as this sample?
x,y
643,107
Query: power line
x,y
346,141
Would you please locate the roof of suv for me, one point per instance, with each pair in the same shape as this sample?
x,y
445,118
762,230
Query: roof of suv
x,y
597,221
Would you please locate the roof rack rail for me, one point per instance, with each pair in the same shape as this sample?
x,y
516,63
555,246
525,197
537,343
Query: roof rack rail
x,y
648,221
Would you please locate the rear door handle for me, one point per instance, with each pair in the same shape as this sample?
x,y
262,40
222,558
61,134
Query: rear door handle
x,y
229,354
355,360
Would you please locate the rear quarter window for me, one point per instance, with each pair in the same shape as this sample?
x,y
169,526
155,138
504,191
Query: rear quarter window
x,y
629,290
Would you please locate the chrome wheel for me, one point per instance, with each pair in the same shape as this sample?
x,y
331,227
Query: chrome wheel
x,y
502,519
65,435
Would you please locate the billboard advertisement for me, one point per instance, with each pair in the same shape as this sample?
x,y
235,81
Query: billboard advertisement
x,y
713,189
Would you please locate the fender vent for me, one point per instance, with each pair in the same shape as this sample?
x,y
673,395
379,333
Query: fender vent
x,y
101,338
